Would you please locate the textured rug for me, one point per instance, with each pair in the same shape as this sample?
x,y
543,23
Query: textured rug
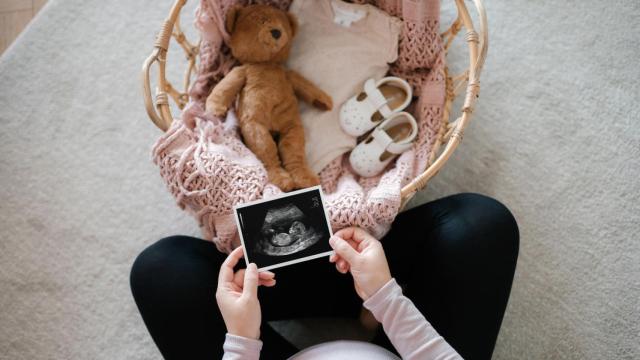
x,y
555,136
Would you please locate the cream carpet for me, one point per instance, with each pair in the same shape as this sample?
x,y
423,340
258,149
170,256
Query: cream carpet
x,y
556,137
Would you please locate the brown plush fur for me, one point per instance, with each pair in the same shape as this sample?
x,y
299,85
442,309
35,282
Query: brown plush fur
x,y
267,105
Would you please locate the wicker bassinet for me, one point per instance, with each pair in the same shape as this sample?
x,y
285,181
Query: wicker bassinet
x,y
447,136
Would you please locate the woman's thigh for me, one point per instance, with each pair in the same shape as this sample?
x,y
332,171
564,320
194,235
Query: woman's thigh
x,y
456,257
173,283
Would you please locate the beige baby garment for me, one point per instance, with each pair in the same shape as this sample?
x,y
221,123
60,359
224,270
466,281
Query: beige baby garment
x,y
338,47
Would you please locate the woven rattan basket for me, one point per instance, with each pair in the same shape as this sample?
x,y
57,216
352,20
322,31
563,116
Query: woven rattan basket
x,y
450,135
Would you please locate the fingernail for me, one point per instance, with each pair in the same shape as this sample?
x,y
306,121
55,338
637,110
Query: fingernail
x,y
332,240
253,266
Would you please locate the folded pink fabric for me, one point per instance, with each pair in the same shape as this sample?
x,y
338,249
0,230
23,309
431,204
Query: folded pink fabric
x,y
209,170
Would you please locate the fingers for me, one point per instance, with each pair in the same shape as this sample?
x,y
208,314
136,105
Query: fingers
x,y
250,287
226,270
346,233
353,233
343,249
335,257
342,266
266,275
265,278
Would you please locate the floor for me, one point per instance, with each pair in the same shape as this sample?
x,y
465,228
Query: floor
x,y
14,17
555,136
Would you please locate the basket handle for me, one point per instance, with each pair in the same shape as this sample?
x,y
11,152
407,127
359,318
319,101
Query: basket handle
x,y
478,43
160,114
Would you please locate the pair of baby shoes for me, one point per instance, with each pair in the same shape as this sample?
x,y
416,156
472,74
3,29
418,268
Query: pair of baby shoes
x,y
379,107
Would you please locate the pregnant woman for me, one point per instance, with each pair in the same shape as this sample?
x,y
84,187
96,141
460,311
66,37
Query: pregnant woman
x,y
453,258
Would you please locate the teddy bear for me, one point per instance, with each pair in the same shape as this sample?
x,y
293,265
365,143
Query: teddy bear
x,y
267,93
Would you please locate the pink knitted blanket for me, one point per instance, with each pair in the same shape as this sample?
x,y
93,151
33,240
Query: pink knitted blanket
x,y
209,169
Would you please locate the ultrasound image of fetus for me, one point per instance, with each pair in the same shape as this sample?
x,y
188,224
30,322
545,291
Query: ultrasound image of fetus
x,y
286,230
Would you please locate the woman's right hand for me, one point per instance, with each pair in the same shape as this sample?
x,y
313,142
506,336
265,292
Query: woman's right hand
x,y
237,296
364,257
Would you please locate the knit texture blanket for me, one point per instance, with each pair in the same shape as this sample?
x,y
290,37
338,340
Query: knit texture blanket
x,y
209,170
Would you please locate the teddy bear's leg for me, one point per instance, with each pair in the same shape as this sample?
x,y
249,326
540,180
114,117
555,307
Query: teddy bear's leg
x,y
291,146
258,139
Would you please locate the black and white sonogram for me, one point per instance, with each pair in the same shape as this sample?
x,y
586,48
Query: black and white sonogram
x,y
284,230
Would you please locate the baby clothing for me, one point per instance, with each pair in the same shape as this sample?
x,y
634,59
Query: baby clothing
x,y
338,47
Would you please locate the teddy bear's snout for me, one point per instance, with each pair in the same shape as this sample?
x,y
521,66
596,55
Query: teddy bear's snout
x,y
276,33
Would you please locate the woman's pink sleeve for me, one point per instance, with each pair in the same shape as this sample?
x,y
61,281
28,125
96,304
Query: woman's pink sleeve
x,y
407,329
241,348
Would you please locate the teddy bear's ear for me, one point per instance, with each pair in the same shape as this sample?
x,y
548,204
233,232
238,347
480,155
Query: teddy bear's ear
x,y
294,23
232,16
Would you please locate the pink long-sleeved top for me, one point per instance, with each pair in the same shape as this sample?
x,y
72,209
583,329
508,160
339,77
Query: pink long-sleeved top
x,y
409,332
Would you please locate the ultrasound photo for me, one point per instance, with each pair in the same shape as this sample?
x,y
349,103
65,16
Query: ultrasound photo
x,y
284,230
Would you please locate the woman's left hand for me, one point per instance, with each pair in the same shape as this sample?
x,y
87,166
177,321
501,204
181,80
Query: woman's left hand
x,y
237,296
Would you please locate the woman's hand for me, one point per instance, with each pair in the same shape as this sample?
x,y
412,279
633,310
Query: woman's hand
x,y
237,296
361,254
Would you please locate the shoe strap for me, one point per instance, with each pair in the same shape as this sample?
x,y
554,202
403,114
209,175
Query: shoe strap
x,y
376,98
385,142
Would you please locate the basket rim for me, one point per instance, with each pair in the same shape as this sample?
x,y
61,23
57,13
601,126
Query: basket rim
x,y
477,41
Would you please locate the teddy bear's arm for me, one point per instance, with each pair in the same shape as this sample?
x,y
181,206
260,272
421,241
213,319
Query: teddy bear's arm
x,y
225,92
309,92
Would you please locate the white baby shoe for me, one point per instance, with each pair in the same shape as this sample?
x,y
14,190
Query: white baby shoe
x,y
379,101
390,139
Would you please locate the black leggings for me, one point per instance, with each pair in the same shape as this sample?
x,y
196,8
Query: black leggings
x,y
455,257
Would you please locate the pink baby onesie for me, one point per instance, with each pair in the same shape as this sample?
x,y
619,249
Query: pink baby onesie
x,y
338,47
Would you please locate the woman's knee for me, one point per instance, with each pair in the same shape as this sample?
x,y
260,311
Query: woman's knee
x,y
476,216
498,221
166,260
175,264
152,261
